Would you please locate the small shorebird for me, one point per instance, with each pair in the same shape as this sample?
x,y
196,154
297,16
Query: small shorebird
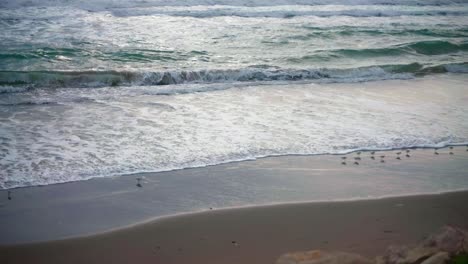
x,y
407,155
359,152
343,163
372,157
372,152
357,158
9,195
435,152
407,151
451,153
343,158
450,147
398,158
356,163
398,153
382,161
139,182
383,156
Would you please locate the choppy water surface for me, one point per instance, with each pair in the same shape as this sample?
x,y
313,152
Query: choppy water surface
x,y
116,87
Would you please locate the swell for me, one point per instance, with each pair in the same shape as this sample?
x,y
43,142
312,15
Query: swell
x,y
436,47
132,55
21,81
352,31
102,4
222,12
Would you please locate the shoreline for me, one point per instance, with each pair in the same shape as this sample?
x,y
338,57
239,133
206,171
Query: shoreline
x,y
85,208
259,234
143,173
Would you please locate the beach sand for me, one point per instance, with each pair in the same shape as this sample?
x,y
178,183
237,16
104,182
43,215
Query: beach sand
x,y
257,234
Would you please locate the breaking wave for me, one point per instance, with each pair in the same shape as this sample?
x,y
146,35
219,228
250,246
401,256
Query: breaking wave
x,y
21,81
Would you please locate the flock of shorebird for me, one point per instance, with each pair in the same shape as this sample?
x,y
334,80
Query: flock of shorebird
x,y
357,158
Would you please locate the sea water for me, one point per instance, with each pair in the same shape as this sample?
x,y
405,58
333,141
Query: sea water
x,y
104,88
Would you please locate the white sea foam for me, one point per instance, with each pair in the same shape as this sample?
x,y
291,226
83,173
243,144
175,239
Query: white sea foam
x,y
129,129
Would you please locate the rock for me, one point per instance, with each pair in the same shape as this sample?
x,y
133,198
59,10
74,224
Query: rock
x,y
322,257
450,239
405,255
439,258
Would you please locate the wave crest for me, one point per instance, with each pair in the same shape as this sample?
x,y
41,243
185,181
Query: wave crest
x,y
21,81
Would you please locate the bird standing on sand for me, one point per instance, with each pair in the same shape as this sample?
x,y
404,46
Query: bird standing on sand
x,y
372,152
398,153
9,195
408,155
343,163
407,151
398,158
372,157
383,156
343,158
435,152
382,161
359,152
356,163
450,147
451,153
139,183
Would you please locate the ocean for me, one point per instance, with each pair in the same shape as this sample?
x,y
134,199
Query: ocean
x,y
116,87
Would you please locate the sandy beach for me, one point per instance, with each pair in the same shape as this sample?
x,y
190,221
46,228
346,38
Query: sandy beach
x,y
95,220
259,234
233,131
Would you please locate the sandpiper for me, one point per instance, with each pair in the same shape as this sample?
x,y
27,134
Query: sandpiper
x,y
139,182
